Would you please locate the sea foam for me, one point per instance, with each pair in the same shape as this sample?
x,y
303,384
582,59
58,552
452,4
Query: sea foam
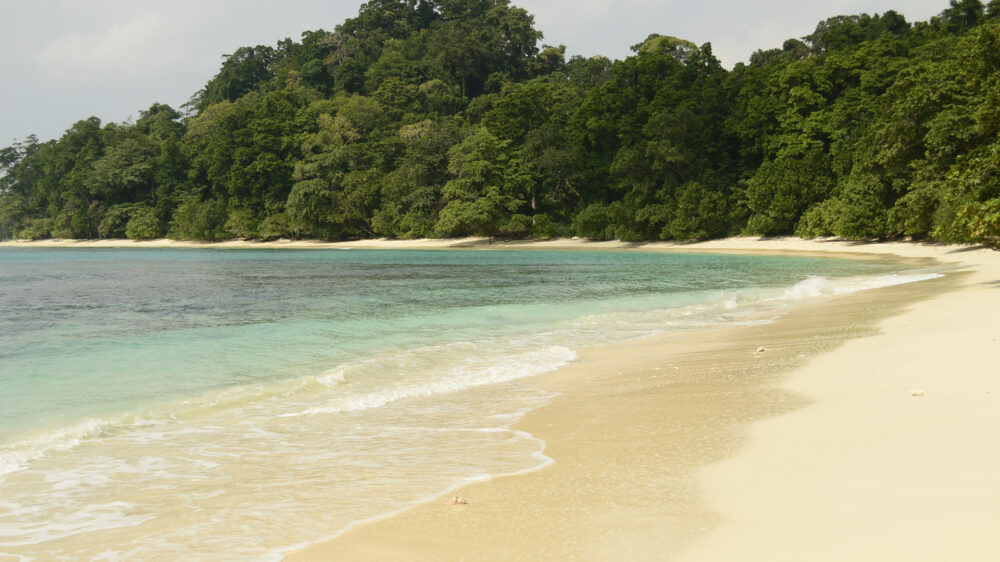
x,y
470,373
823,287
18,454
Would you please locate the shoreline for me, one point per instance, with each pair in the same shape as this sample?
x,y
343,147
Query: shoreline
x,y
643,472
610,407
820,247
713,461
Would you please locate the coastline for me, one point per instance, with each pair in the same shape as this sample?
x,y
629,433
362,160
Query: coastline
x,y
699,467
694,447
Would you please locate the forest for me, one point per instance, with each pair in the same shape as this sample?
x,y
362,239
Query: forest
x,y
446,118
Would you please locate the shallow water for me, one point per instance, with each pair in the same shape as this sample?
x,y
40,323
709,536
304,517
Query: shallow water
x,y
211,404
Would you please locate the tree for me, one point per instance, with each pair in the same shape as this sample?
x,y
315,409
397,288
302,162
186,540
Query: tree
x,y
243,71
477,202
962,14
143,224
783,189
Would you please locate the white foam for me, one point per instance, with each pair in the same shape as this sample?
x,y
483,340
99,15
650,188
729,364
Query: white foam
x,y
823,287
16,456
742,307
83,519
472,373
333,377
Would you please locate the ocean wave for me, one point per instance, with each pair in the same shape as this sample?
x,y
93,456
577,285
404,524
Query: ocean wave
x,y
467,369
823,287
17,455
85,519
239,478
470,373
738,306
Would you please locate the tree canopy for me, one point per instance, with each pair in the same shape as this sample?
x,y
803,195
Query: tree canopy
x,y
450,118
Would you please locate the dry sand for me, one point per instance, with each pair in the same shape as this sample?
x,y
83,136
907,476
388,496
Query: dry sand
x,y
698,448
868,471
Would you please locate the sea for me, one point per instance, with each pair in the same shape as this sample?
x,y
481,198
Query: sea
x,y
221,404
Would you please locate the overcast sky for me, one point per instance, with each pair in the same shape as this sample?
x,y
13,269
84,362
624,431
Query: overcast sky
x,y
65,60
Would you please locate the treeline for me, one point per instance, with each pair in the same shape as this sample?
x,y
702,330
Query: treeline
x,y
446,118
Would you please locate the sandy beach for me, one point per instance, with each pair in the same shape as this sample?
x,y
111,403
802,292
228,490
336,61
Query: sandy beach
x,y
862,427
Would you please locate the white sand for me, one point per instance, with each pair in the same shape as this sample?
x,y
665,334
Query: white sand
x,y
868,471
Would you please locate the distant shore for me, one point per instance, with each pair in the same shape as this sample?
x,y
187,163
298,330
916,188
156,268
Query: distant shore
x,y
862,427
742,245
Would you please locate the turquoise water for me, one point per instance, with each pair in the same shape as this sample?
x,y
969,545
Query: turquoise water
x,y
203,403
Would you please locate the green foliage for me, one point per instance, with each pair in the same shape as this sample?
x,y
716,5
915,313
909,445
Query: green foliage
x,y
699,214
242,223
115,220
862,213
978,222
478,199
35,229
447,118
593,222
276,226
544,228
680,49
819,220
199,220
857,212
242,72
143,224
782,189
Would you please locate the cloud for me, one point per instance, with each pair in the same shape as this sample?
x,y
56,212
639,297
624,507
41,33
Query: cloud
x,y
113,40
127,45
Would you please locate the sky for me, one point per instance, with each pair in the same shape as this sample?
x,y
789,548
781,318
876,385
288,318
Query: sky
x,y
66,60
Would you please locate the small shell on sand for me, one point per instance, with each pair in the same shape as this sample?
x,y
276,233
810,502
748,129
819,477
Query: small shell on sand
x,y
761,349
916,392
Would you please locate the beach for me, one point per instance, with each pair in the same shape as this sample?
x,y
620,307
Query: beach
x,y
862,427
773,457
